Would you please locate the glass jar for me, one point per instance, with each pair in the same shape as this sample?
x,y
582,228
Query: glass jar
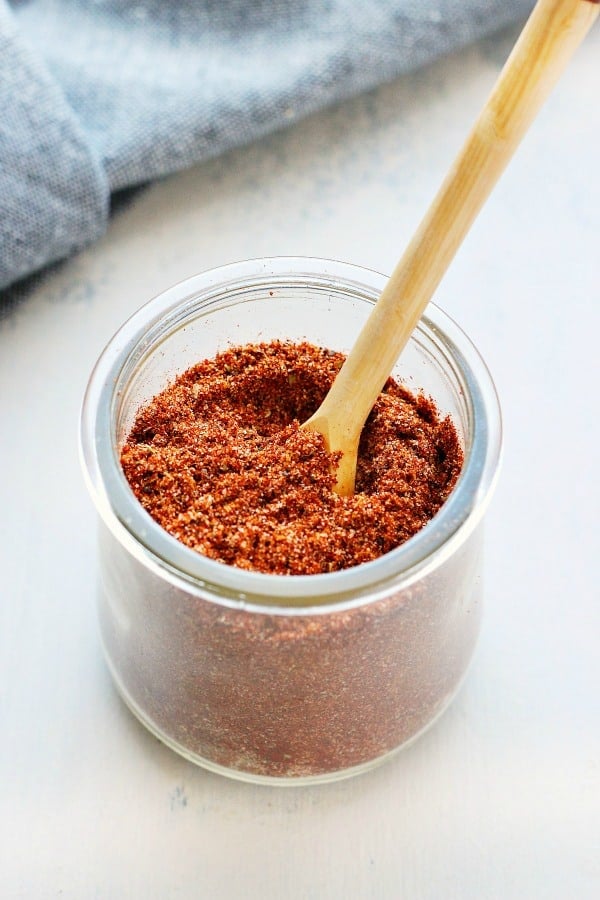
x,y
274,678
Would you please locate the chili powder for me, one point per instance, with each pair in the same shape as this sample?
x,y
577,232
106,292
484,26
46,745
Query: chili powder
x,y
218,459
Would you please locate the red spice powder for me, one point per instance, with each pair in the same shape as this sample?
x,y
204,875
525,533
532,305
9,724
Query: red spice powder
x,y
218,459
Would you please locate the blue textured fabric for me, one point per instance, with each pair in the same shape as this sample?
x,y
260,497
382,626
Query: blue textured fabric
x,y
99,95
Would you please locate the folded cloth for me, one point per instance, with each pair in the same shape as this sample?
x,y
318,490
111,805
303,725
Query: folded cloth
x,y
99,95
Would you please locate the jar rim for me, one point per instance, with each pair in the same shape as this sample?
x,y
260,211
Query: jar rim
x,y
285,594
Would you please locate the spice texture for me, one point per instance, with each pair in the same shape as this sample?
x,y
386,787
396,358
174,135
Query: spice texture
x,y
218,459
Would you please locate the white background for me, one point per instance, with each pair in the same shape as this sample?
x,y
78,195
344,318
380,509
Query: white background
x,y
502,798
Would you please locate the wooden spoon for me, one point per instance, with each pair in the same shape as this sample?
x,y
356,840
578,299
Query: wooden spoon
x,y
550,37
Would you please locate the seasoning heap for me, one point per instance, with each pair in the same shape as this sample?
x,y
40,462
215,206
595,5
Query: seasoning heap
x,y
218,459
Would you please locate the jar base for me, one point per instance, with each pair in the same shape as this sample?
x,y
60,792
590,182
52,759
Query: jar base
x,y
273,780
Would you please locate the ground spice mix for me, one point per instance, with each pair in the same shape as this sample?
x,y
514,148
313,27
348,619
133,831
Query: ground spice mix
x,y
218,459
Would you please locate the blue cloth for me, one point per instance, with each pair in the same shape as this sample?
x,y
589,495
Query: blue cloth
x,y
100,95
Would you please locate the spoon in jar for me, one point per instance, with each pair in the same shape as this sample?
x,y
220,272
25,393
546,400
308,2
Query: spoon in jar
x,y
547,42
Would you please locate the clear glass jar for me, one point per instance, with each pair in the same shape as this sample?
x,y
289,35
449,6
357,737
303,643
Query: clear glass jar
x,y
285,679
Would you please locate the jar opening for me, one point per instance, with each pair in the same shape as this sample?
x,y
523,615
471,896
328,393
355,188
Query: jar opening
x,y
297,299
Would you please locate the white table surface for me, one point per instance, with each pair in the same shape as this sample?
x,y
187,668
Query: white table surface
x,y
501,799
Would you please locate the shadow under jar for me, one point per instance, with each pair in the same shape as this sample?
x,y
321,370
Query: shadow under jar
x,y
272,678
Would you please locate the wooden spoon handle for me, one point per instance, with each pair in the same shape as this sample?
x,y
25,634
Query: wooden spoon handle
x,y
554,30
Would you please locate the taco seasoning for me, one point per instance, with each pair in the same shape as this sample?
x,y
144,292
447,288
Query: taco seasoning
x,y
219,461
